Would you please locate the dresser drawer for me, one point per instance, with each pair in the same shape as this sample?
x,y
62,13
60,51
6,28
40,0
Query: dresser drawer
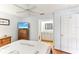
x,y
0,43
23,34
5,41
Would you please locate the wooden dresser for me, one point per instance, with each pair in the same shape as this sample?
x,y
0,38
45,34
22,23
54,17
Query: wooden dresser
x,y
23,34
5,41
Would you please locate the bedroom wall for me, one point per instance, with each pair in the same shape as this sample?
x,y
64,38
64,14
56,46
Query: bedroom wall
x,y
34,21
33,27
10,30
57,17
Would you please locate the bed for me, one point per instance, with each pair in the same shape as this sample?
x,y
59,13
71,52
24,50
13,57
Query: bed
x,y
25,47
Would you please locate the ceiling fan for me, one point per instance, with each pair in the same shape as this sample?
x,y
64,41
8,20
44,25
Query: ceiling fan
x,y
29,10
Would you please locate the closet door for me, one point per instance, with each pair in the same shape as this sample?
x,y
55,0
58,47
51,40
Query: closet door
x,y
77,32
68,34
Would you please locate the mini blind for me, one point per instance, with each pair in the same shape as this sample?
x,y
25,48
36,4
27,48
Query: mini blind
x,y
48,26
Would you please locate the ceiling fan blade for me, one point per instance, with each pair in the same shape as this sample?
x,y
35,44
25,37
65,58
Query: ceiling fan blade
x,y
22,11
32,11
29,10
19,7
24,8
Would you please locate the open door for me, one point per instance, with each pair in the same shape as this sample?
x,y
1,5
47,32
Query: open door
x,y
46,30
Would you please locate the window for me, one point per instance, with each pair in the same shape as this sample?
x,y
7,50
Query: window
x,y
47,26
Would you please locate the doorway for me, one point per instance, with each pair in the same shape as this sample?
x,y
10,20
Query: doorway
x,y
45,31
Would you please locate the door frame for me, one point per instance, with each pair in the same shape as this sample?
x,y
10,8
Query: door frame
x,y
39,27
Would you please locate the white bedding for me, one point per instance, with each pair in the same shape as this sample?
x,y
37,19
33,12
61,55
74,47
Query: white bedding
x,y
25,47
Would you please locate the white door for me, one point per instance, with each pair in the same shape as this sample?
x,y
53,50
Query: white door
x,y
77,32
68,33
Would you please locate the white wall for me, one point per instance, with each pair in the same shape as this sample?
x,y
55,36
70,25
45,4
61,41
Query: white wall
x,y
57,17
34,23
10,30
33,27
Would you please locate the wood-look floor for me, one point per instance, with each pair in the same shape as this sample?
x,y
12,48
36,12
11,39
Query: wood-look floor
x,y
56,51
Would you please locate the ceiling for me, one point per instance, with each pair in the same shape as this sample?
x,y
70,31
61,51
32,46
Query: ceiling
x,y
20,9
